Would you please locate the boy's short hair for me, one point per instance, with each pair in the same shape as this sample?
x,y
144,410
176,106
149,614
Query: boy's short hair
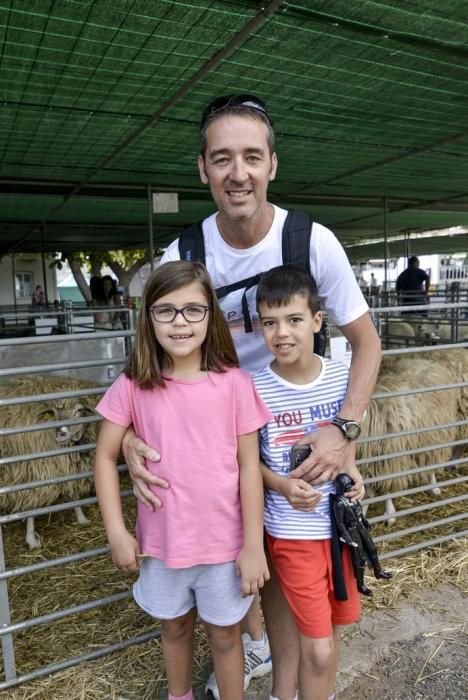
x,y
280,284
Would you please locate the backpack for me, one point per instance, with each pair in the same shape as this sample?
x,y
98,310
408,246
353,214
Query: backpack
x,y
296,236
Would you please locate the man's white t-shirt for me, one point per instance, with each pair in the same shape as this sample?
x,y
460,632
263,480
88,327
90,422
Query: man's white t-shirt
x,y
337,286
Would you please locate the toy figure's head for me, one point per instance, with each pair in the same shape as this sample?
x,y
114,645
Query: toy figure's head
x,y
343,483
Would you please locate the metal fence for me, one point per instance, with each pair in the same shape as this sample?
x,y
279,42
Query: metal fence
x,y
88,363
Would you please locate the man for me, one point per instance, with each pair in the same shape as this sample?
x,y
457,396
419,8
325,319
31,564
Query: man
x,y
412,285
243,238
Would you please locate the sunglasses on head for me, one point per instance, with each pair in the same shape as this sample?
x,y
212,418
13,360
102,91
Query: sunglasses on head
x,y
223,104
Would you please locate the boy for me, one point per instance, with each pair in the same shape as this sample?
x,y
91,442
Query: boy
x,y
304,392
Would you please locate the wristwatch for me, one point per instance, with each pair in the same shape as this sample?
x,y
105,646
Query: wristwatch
x,y
350,428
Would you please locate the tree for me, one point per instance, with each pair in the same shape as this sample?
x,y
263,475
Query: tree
x,y
123,263
126,263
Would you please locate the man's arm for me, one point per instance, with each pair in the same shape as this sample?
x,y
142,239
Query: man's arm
x,y
330,449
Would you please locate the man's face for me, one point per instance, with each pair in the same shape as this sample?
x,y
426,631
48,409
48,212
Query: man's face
x,y
237,166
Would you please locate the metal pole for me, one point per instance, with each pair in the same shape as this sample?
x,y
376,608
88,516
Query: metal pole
x,y
8,649
13,281
385,247
407,245
44,273
150,226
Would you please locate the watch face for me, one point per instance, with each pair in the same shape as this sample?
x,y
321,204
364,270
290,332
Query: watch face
x,y
352,430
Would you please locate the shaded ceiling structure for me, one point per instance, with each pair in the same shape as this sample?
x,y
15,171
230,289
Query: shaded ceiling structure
x,y
100,100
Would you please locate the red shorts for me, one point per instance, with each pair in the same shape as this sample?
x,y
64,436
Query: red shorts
x,y
304,570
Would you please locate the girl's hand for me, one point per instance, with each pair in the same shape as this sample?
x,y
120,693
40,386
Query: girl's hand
x,y
252,567
125,550
299,494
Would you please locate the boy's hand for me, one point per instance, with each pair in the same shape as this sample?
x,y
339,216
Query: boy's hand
x,y
299,494
251,566
125,550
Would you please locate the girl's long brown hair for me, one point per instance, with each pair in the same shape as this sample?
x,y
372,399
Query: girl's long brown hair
x,y
147,360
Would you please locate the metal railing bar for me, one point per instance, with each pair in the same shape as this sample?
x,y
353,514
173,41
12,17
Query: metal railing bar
x,y
47,453
437,306
31,369
415,431
420,509
53,395
416,470
35,340
50,563
413,451
49,425
61,614
423,545
53,480
417,489
74,661
422,390
419,528
57,508
424,348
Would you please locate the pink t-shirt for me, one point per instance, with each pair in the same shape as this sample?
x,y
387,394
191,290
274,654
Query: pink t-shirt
x,y
194,425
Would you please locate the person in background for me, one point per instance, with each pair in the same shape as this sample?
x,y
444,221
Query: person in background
x,y
38,296
114,298
204,549
412,285
102,318
243,238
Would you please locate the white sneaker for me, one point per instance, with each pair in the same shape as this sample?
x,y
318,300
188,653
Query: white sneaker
x,y
257,662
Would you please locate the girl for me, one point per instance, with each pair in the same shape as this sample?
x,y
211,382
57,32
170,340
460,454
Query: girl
x,y
183,392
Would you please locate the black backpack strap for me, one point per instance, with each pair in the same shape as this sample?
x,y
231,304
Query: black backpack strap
x,y
296,235
297,231
192,244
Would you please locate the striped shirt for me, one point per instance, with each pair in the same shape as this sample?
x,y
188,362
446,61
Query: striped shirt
x,y
298,409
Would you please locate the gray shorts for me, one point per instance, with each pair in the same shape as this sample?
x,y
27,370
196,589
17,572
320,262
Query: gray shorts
x,y
214,589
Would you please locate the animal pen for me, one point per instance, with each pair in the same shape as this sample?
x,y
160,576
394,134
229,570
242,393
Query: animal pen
x,y
64,603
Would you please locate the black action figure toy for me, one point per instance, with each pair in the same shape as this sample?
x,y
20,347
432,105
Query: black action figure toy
x,y
352,528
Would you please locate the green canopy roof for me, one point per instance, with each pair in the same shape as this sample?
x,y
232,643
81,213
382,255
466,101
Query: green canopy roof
x,y
101,98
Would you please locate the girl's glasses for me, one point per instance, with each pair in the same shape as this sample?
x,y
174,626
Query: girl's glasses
x,y
193,313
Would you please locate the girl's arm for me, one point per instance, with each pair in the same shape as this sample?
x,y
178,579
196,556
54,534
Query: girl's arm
x,y
123,545
299,494
251,562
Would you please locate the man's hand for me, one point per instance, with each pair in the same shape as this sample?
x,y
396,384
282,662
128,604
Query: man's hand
x,y
136,452
330,450
358,491
252,567
299,494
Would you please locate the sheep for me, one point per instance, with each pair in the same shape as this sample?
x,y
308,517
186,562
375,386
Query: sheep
x,y
398,332
414,411
435,330
44,440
